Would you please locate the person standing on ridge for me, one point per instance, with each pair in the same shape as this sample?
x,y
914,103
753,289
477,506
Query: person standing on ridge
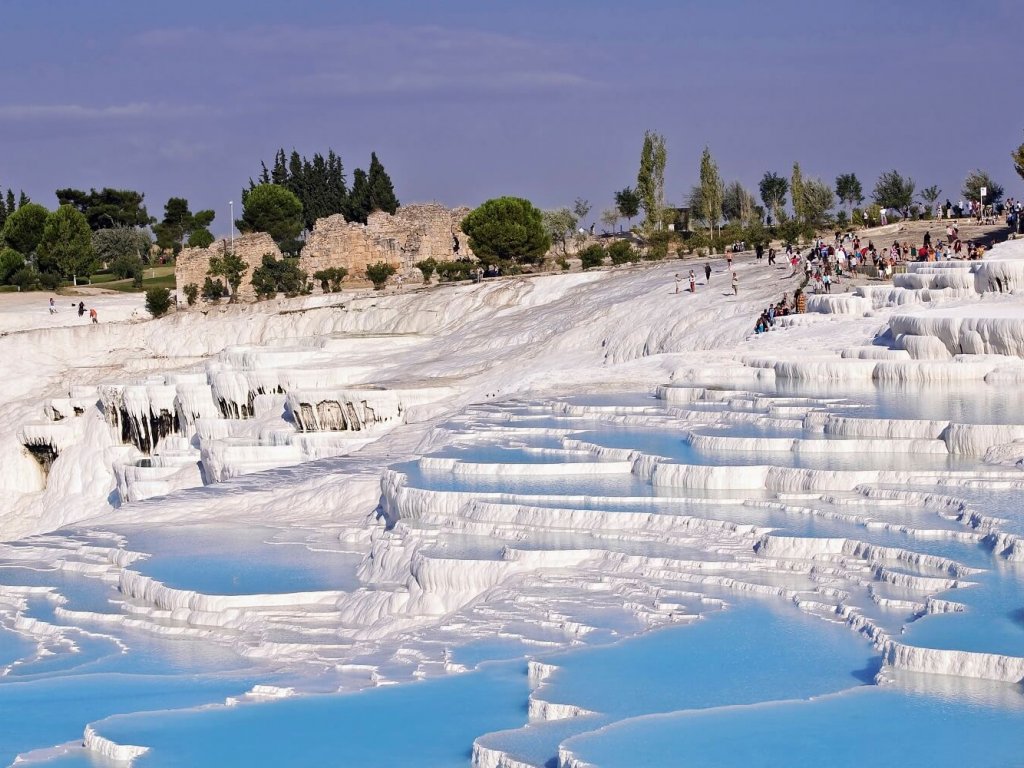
x,y
693,282
707,271
735,284
94,316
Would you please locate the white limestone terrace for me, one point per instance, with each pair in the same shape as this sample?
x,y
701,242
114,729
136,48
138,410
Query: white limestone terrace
x,y
543,514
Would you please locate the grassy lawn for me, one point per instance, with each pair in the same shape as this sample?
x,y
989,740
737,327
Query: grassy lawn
x,y
153,277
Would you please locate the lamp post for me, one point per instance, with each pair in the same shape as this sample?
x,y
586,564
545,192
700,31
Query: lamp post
x,y
231,222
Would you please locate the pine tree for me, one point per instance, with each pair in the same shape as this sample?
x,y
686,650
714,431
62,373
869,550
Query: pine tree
x,y
23,199
381,190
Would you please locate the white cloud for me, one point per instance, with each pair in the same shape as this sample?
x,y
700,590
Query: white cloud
x,y
85,112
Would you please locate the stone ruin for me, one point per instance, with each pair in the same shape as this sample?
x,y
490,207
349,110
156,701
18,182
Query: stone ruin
x,y
413,233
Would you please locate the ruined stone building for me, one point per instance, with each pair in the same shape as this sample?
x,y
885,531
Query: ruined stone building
x,y
412,234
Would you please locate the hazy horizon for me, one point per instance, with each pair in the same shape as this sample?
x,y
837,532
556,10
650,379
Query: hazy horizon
x,y
465,101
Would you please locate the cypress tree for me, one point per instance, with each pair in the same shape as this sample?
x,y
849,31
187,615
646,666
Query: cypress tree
x,y
359,198
381,190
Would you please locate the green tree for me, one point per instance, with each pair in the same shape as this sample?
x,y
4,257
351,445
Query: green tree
x,y
650,179
773,189
213,290
319,183
191,293
610,217
158,301
621,252
179,224
359,207
275,276
849,190
10,262
973,184
110,244
627,202
128,265
710,190
738,205
580,208
272,209
379,273
231,267
108,208
796,188
67,243
24,228
1018,160
559,226
818,200
506,229
894,191
930,196
381,190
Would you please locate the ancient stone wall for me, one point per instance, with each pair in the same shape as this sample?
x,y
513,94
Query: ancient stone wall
x,y
412,234
193,264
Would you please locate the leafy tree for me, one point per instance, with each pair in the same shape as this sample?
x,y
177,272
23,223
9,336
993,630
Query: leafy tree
x,y
559,226
610,217
231,267
379,273
849,190
111,244
24,228
796,188
818,199
108,208
738,205
191,292
975,181
773,189
580,207
8,205
275,276
592,256
930,196
358,207
894,191
214,290
128,265
179,224
650,179
1018,160
272,209
330,278
710,190
506,229
158,301
627,202
67,243
10,262
200,238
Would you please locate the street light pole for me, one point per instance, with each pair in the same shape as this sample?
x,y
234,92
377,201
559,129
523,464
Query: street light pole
x,y
231,222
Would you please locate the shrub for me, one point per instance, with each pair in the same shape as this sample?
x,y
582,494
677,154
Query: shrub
x,y
277,275
379,273
655,252
592,256
49,281
200,238
191,293
562,262
158,301
449,271
26,278
621,252
214,290
128,265
427,267
330,278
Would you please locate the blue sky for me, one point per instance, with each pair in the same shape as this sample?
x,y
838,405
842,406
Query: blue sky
x,y
468,100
